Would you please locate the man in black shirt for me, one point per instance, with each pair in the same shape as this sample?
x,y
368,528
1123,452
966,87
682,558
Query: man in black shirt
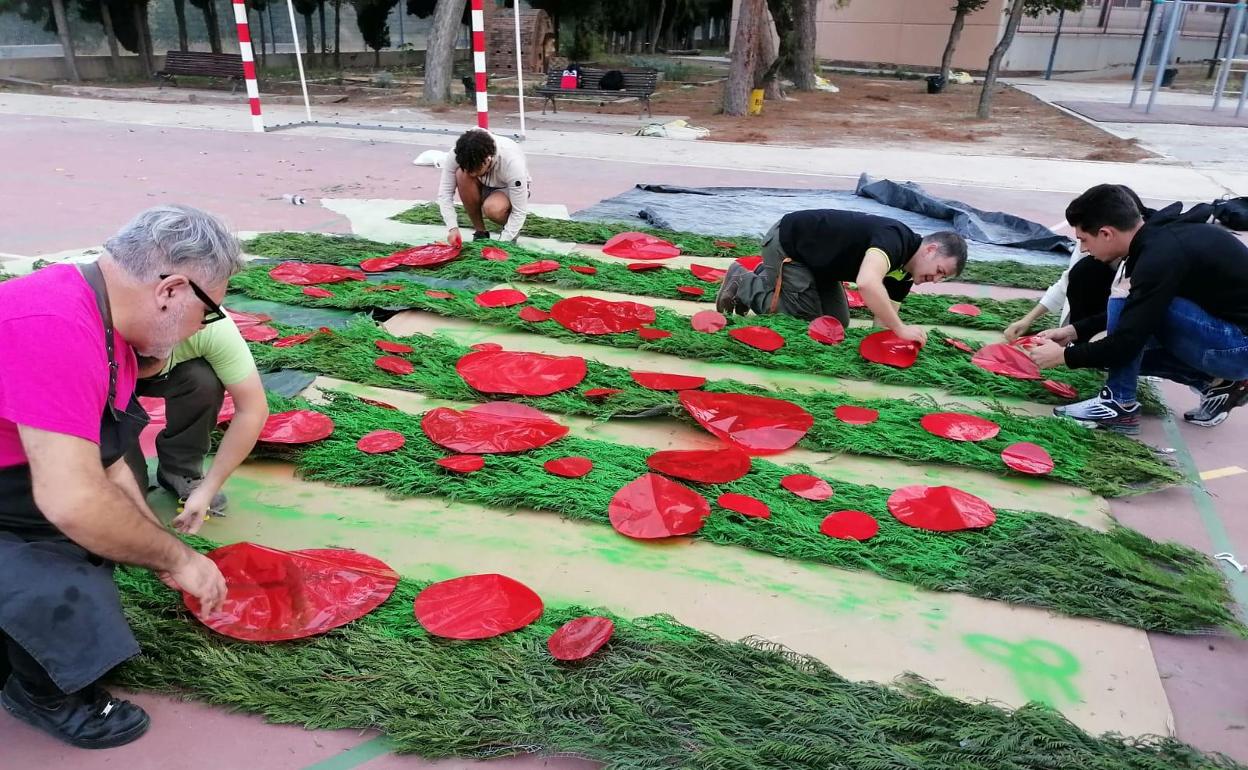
x,y
807,254
1178,310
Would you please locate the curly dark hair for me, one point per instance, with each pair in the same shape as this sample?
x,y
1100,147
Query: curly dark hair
x,y
473,149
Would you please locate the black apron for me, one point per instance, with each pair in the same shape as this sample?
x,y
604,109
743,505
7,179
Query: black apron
x,y
58,600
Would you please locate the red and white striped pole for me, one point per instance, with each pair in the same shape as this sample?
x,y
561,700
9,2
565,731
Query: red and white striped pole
x,y
249,64
478,61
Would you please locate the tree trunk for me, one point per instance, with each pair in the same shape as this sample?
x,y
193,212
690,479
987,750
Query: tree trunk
x,y
658,25
140,23
309,35
639,40
782,16
955,34
440,56
268,8
998,53
803,64
145,34
745,51
320,10
67,42
264,56
769,64
179,10
338,32
114,52
214,27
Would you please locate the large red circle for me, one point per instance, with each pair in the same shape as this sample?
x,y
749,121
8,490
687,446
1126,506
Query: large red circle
x,y
940,509
959,427
705,466
826,329
708,321
578,639
756,424
590,315
569,467
500,298
429,255
889,349
386,346
1027,458
538,267
750,507
635,245
655,507
850,525
661,381
462,463
759,337
806,486
1006,360
380,442
301,426
395,365
477,607
964,309
379,264
519,373
308,274
856,415
499,427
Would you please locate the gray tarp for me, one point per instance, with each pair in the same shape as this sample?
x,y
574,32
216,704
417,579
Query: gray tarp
x,y
732,211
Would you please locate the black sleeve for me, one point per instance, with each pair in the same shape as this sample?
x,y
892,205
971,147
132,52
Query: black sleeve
x,y
897,290
1087,328
1159,269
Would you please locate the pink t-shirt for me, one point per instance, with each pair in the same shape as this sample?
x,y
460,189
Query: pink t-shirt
x,y
53,364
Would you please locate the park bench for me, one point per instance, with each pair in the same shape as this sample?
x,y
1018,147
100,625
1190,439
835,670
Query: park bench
x,y
639,84
202,64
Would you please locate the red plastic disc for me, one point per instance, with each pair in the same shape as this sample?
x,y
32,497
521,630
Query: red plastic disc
x,y
1027,458
705,466
856,415
578,639
850,525
274,596
826,329
854,299
708,321
498,427
889,349
539,267
807,486
724,244
494,254
380,442
940,509
1060,388
243,319
301,426
646,333
308,274
379,264
294,339
590,315
584,269
258,333
429,255
500,298
755,424
959,344
692,291
601,393
708,274
436,294
387,346
395,365
1006,360
759,337
376,403
750,263
569,467
485,347
641,267
959,427
1029,341
745,505
639,246
654,507
520,374
462,463
477,607
534,314
963,309
660,381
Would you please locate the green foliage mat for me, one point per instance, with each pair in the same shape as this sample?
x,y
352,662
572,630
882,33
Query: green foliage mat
x,y
1105,463
1024,558
1004,273
939,365
659,696
930,309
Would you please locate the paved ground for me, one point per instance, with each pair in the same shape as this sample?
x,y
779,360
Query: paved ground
x,y
75,169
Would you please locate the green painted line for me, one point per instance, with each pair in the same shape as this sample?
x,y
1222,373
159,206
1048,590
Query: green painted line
x,y
365,752
1209,516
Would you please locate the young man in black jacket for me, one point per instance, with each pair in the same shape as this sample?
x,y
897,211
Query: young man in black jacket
x,y
807,254
1178,310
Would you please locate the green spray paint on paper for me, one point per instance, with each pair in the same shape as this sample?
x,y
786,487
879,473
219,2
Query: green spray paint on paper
x,y
1043,671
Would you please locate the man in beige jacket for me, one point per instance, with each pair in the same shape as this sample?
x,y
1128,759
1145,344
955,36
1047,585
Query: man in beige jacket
x,y
492,179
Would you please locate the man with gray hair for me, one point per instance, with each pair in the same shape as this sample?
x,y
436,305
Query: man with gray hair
x,y
70,336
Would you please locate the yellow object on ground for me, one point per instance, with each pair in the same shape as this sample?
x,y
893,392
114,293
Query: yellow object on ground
x,y
756,101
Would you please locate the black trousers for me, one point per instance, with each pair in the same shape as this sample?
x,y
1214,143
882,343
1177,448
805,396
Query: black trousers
x,y
193,397
1088,287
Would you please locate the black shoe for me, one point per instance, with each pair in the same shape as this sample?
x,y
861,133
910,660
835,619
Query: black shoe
x,y
481,235
1216,403
726,300
91,719
182,487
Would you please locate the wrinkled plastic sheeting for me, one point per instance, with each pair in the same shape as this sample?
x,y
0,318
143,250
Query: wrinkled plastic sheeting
x,y
704,466
753,210
755,424
581,637
476,607
654,507
498,427
277,595
520,373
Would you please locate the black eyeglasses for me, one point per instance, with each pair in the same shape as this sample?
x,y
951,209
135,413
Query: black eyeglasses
x,y
215,313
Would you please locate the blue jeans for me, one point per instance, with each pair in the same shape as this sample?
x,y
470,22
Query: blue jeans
x,y
1190,347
